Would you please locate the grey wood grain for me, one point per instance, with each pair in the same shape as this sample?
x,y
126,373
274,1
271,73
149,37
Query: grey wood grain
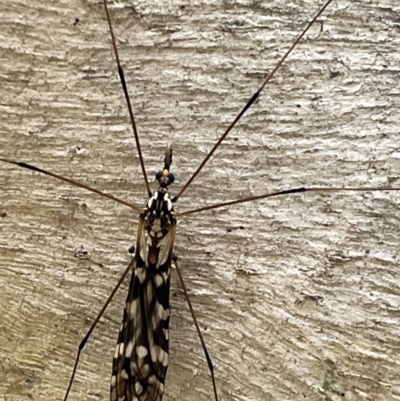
x,y
330,118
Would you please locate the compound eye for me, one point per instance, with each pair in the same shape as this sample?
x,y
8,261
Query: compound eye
x,y
159,175
171,178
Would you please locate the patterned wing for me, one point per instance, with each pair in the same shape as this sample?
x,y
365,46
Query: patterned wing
x,y
141,356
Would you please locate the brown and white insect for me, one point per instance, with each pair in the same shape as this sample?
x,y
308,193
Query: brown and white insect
x,y
61,114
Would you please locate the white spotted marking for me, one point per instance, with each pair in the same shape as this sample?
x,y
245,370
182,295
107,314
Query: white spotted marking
x,y
140,274
124,375
133,366
129,349
165,359
116,353
159,280
132,309
160,355
161,312
138,388
141,351
169,204
156,226
113,380
145,369
153,355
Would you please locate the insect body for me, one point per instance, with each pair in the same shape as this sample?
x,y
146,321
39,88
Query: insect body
x,y
141,356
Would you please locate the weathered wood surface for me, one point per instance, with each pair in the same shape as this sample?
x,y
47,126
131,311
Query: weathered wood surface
x,y
330,118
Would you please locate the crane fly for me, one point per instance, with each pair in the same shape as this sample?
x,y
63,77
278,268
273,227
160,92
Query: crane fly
x,y
141,356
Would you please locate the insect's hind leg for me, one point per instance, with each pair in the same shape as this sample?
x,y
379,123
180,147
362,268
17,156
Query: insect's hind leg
x,y
92,327
208,358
